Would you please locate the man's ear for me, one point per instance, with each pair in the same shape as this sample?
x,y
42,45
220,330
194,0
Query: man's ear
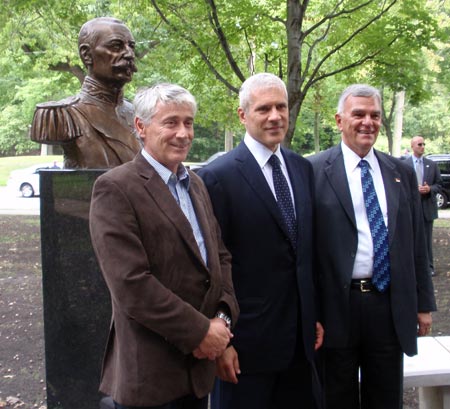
x,y
140,128
338,119
85,54
242,116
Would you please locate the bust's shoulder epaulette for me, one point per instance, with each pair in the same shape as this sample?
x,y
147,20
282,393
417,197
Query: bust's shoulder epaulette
x,y
57,121
63,103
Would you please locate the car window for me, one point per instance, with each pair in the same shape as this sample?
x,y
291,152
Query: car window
x,y
444,167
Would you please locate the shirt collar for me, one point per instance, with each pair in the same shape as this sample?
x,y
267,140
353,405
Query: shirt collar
x,y
165,174
352,159
261,153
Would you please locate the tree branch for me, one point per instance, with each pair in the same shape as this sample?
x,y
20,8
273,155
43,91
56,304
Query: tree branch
x,y
349,39
214,21
66,67
196,47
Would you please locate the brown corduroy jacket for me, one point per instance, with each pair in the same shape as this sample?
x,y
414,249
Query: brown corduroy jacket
x,y
162,293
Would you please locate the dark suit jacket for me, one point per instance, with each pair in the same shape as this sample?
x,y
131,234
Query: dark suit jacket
x,y
432,176
411,288
273,282
162,292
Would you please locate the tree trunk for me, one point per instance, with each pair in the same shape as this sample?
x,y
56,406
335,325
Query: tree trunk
x,y
295,13
228,140
395,146
316,132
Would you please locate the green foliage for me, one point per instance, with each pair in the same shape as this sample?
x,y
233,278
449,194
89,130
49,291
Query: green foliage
x,y
207,142
210,47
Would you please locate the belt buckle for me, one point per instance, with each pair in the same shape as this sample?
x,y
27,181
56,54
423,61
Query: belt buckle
x,y
362,286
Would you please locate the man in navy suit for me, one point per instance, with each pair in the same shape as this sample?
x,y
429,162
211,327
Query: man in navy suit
x,y
430,183
270,361
368,327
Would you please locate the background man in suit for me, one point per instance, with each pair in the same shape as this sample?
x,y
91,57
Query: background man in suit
x,y
95,128
270,361
168,272
430,183
375,290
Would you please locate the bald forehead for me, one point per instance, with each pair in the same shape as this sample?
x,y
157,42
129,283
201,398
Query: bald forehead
x,y
416,139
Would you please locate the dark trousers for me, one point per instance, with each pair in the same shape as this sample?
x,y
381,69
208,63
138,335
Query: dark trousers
x,y
373,351
188,402
291,388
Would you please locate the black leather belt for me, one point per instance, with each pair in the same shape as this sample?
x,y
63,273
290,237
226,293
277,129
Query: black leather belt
x,y
364,285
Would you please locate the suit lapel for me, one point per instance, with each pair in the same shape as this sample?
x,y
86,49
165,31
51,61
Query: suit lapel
x,y
161,195
426,171
251,172
202,217
392,184
335,171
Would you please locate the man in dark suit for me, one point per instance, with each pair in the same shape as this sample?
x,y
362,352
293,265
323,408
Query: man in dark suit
x,y
269,364
166,267
376,290
430,183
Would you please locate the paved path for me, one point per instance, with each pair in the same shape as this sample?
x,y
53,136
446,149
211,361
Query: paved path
x,y
10,203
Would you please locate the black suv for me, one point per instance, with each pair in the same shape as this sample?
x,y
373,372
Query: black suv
x,y
443,162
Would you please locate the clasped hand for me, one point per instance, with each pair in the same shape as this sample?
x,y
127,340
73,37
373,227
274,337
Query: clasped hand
x,y
215,342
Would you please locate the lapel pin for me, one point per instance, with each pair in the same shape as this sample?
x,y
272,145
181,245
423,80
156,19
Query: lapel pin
x,y
397,180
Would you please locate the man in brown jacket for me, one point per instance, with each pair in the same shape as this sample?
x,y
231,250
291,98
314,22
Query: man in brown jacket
x,y
160,250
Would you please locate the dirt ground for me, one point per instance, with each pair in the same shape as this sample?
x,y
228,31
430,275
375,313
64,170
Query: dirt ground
x,y
22,370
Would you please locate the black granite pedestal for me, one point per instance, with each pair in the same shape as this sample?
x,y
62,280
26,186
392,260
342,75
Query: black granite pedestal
x,y
77,309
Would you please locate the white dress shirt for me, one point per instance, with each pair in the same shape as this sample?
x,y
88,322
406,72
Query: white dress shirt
x,y
363,266
262,155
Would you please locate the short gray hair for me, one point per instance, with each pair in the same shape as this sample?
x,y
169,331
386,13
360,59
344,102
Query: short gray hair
x,y
147,99
259,81
357,90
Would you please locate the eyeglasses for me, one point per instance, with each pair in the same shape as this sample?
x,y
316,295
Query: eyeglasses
x,y
421,144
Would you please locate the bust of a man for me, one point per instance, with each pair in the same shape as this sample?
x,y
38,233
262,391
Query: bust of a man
x,y
95,127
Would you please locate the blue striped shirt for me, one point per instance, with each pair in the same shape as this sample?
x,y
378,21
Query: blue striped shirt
x,y
179,187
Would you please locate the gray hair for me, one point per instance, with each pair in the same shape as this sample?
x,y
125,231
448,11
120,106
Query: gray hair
x,y
147,99
258,81
357,90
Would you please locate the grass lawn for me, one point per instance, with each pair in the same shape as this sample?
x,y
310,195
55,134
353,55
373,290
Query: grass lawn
x,y
19,162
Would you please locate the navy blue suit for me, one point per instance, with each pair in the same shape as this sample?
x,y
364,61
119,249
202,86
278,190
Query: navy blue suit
x,y
273,280
432,177
389,318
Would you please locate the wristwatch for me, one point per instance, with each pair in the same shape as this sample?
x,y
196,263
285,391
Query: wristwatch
x,y
224,317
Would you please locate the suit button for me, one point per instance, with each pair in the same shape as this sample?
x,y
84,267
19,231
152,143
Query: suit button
x,y
207,283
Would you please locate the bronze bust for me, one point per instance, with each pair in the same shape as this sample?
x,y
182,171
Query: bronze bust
x,y
95,127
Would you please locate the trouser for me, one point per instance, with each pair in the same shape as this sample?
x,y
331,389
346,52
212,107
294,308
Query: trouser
x,y
368,373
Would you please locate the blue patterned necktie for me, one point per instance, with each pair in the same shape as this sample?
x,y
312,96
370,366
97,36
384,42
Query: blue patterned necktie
x,y
284,199
381,264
